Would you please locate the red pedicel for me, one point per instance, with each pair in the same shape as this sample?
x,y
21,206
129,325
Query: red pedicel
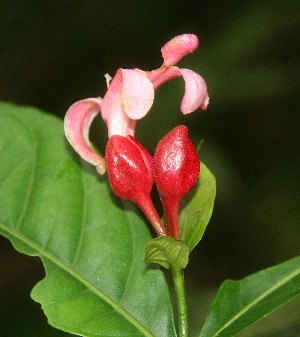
x,y
176,169
129,167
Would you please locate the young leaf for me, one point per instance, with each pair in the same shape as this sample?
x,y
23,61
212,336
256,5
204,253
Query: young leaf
x,y
196,208
167,252
54,206
239,304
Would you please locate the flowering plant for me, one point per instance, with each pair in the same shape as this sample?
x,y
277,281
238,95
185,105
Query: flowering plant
x,y
102,277
132,172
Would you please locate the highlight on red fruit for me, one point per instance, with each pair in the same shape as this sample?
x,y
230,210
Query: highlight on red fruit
x,y
129,167
176,168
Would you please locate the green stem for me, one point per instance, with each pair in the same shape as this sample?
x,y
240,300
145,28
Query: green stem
x,y
179,288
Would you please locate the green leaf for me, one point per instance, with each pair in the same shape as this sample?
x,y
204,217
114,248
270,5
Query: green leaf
x,y
167,252
239,304
196,208
92,246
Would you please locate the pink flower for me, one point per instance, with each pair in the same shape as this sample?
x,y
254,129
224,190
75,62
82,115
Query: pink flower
x,y
130,96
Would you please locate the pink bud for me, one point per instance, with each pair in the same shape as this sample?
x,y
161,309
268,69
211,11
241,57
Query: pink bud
x,y
177,48
176,169
129,167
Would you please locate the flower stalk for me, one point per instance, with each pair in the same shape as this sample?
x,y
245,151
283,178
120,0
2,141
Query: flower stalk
x,y
182,314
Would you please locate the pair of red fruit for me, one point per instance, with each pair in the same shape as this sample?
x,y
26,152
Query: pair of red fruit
x,y
174,168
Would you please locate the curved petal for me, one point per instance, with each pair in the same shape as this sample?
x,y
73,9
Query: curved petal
x,y
177,48
137,93
77,124
112,110
195,93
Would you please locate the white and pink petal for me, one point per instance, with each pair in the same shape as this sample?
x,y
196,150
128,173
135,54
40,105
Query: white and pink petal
x,y
77,124
137,93
195,92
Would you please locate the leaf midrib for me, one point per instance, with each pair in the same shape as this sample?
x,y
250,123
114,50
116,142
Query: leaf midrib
x,y
48,256
257,300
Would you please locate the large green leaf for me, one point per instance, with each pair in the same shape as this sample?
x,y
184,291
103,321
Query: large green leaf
x,y
92,245
239,304
196,208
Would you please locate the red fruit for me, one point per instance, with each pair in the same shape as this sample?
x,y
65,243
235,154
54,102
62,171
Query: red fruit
x,y
176,169
129,167
130,174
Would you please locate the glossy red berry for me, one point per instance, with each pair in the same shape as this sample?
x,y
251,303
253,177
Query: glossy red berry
x,y
129,167
176,168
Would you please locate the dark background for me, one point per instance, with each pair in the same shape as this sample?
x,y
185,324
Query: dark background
x,y
56,52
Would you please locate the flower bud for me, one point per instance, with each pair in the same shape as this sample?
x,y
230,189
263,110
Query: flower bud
x,y
176,169
130,174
